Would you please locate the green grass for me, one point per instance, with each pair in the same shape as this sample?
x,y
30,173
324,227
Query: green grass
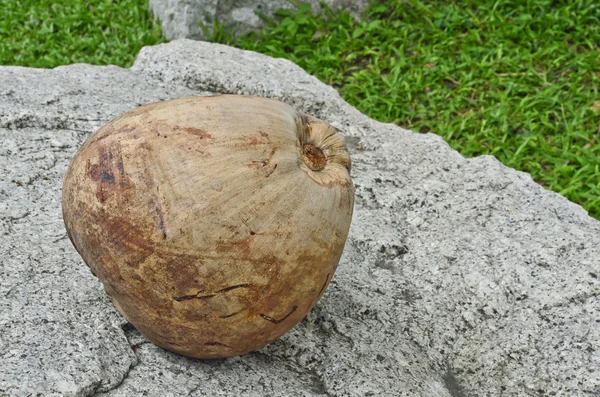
x,y
45,34
515,79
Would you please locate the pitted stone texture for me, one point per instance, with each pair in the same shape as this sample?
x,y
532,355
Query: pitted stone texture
x,y
461,277
183,18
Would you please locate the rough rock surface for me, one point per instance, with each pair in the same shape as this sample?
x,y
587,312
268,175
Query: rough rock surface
x,y
461,277
182,18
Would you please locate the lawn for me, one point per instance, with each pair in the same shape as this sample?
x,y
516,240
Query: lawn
x,y
515,79
49,33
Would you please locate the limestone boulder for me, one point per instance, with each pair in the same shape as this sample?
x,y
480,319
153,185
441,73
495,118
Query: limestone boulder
x,y
461,277
183,18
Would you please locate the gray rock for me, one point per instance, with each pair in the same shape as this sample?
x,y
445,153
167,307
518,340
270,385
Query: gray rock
x,y
183,18
461,277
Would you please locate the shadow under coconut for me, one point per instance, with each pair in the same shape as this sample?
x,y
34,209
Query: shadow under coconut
x,y
276,368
